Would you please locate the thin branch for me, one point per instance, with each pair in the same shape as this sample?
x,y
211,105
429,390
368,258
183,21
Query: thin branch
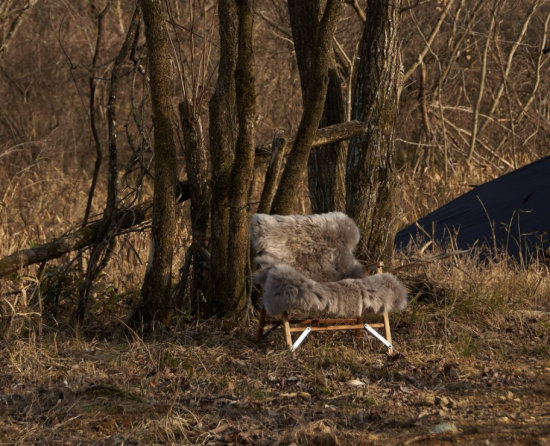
x,y
355,5
477,107
506,73
531,98
429,42
193,33
92,112
284,31
431,259
14,27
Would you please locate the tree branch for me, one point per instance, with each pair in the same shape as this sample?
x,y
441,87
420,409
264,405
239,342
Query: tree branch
x,y
125,219
325,135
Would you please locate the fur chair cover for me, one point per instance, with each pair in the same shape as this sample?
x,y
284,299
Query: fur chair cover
x,y
286,289
308,266
319,246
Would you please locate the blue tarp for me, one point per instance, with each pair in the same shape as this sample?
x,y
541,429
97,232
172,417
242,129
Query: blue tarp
x,y
512,211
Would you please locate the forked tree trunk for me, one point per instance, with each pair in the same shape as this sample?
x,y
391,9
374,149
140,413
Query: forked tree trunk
x,y
371,182
156,304
232,152
326,164
314,101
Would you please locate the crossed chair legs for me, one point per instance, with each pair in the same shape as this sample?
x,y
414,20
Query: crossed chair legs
x,y
356,324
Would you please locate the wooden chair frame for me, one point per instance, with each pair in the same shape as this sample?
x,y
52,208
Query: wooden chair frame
x,y
356,324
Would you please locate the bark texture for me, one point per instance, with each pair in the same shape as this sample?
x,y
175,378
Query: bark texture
x,y
370,180
222,146
235,304
156,305
314,99
232,151
326,164
272,174
196,162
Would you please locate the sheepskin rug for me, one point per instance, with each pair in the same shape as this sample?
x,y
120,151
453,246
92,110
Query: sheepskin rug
x,y
320,246
286,289
307,265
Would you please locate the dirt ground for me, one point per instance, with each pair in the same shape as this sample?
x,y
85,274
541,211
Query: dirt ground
x,y
208,387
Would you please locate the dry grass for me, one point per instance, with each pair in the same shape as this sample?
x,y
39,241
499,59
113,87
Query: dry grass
x,y
473,350
198,385
473,345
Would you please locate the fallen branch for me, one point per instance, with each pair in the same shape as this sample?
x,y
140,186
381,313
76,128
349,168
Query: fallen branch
x,y
125,219
130,217
325,135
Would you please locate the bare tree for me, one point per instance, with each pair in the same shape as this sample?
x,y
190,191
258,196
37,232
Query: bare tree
x,y
371,181
104,242
232,149
315,91
326,164
156,304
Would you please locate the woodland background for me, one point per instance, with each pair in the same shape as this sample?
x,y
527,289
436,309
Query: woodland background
x,y
474,341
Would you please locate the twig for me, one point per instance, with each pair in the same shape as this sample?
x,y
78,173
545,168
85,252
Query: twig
x,y
429,42
92,113
358,10
431,259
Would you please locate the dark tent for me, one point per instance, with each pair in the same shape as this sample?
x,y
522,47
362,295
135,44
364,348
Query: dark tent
x,y
511,212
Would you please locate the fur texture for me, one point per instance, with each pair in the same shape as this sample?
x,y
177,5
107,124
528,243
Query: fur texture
x,y
286,289
307,265
319,246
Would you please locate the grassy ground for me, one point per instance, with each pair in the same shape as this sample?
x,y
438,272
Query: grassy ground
x,y
473,354
472,358
473,351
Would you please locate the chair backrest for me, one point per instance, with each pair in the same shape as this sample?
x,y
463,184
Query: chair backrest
x,y
319,246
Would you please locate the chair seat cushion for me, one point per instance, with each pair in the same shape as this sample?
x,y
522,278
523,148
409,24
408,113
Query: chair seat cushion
x,y
286,289
320,246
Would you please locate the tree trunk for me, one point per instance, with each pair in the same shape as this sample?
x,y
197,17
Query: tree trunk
x,y
156,304
222,147
235,302
272,174
196,162
315,91
326,165
232,151
370,180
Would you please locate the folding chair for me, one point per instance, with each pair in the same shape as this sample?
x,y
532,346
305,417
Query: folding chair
x,y
307,264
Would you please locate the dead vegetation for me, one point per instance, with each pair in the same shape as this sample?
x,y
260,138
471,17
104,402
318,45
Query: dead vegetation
x,y
473,360
473,348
